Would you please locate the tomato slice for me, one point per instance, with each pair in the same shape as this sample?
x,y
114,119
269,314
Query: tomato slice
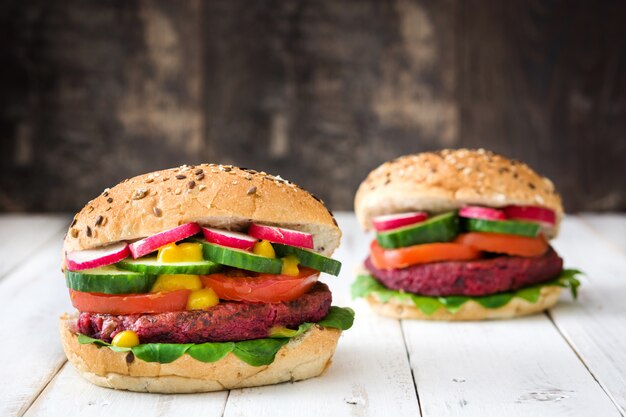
x,y
262,288
502,243
420,254
160,302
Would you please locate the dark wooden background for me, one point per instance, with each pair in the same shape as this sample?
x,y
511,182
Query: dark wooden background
x,y
319,92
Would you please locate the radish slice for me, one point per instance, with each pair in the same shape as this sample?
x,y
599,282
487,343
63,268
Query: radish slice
x,y
230,239
531,213
151,243
485,213
280,235
393,221
94,258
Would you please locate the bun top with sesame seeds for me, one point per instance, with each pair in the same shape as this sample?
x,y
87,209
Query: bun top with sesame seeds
x,y
449,179
221,196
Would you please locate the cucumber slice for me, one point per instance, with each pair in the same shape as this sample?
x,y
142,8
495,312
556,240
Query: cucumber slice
x,y
309,258
152,266
240,258
509,227
441,228
109,280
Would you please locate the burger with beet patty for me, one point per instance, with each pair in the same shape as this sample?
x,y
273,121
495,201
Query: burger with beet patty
x,y
460,235
201,278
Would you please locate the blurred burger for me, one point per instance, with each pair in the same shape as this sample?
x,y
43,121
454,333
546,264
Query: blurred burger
x,y
460,235
201,278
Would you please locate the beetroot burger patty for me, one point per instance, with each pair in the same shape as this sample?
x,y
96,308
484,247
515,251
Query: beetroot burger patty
x,y
227,321
472,278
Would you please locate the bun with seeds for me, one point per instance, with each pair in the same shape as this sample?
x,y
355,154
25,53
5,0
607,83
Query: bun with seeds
x,y
167,306
461,234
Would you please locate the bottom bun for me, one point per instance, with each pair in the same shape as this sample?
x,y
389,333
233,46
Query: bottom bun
x,y
303,357
470,310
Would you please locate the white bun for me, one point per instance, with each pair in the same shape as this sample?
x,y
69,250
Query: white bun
x,y
469,311
303,357
211,195
449,179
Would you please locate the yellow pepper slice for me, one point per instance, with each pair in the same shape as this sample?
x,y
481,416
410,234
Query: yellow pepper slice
x,y
184,252
127,338
202,299
264,248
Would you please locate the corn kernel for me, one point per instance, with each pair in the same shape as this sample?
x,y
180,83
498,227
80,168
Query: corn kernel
x,y
202,299
184,252
173,282
264,248
290,266
127,338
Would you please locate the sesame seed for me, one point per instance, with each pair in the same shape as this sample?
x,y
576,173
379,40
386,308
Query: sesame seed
x,y
149,180
139,193
180,177
201,187
200,176
251,190
109,200
198,171
98,221
191,184
74,233
177,191
157,211
88,231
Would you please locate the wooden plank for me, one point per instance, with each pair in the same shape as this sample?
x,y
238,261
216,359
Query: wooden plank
x,y
369,375
596,325
611,226
32,297
69,391
22,234
521,367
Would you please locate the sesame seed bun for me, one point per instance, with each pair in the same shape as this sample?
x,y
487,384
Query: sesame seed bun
x,y
452,178
304,357
212,195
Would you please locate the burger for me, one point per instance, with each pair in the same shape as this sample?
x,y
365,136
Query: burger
x,y
460,235
201,278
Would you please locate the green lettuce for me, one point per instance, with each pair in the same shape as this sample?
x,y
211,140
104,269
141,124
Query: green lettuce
x,y
366,284
255,352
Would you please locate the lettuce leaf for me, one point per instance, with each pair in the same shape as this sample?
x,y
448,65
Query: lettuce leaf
x,y
210,352
339,318
255,352
366,284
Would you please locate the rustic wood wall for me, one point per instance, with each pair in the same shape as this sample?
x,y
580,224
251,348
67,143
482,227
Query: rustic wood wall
x,y
319,92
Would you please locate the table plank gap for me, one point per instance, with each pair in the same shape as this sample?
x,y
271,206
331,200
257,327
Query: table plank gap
x,y
31,299
595,325
408,356
29,404
494,368
582,361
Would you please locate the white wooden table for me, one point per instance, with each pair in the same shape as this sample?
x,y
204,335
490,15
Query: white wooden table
x,y
568,362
